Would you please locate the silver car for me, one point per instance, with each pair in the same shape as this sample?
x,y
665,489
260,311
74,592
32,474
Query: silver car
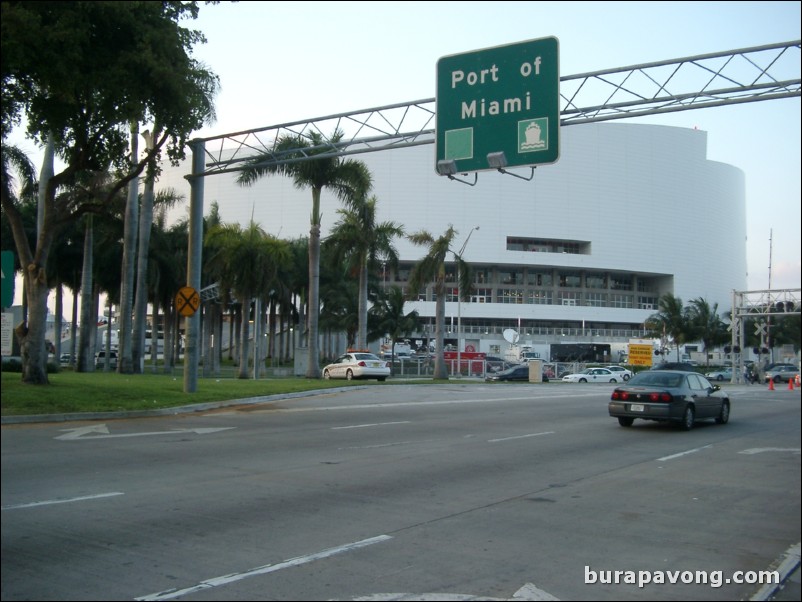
x,y
355,365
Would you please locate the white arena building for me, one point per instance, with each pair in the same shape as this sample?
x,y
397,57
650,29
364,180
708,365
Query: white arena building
x,y
578,255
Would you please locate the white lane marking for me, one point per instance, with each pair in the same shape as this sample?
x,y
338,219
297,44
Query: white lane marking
x,y
528,592
762,450
67,501
388,444
680,454
398,404
361,426
87,433
263,570
520,436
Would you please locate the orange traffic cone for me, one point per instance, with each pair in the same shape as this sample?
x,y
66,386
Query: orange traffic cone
x,y
771,384
790,384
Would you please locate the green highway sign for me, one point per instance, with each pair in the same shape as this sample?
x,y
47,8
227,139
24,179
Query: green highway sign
x,y
7,279
498,107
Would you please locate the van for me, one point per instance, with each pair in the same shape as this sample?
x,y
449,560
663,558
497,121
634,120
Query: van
x,y
100,360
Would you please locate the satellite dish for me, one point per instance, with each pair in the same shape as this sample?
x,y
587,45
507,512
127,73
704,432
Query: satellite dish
x,y
511,335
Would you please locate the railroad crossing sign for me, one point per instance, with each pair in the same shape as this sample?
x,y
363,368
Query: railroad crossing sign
x,y
187,301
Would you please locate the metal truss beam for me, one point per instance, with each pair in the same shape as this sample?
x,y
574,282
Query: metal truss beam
x,y
751,304
753,74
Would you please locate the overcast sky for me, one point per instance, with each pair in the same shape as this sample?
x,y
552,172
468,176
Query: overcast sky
x,y
286,61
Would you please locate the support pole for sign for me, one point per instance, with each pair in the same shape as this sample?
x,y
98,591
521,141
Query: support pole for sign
x,y
191,352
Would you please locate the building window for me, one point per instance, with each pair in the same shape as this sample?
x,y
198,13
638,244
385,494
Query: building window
x,y
506,295
539,297
570,280
568,298
539,278
620,282
596,281
482,295
647,302
596,299
548,245
621,301
481,276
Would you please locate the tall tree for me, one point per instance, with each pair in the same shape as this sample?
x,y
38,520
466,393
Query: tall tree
x,y
360,240
126,62
346,178
251,259
706,324
432,269
671,324
389,318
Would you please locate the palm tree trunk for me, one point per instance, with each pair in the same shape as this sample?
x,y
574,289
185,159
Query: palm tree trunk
x,y
243,339
85,349
124,360
440,370
141,294
313,369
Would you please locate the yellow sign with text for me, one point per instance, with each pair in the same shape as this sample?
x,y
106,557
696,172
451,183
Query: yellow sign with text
x,y
640,355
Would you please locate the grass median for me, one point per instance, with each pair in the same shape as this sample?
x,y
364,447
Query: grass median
x,y
73,392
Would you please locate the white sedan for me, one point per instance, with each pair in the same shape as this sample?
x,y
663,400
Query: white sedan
x,y
626,374
594,375
357,365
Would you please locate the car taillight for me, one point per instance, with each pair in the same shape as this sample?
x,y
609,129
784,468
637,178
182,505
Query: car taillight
x,y
361,364
622,395
662,396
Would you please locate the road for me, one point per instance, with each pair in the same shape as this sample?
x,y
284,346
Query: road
x,y
458,491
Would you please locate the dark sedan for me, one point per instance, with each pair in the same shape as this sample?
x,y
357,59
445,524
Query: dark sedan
x,y
669,395
517,372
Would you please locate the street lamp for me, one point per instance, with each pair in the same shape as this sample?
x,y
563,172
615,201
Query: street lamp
x,y
459,302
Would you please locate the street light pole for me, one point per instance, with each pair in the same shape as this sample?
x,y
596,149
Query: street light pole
x,y
459,302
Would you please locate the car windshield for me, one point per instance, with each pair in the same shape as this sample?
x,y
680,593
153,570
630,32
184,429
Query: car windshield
x,y
365,356
656,379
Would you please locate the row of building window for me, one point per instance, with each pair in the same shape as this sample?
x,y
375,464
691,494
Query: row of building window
x,y
547,278
549,297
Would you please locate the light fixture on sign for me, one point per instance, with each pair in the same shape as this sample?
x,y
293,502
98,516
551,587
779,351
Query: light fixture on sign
x,y
449,168
499,161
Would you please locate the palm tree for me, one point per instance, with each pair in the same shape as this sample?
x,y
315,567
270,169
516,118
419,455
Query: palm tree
x,y
671,322
432,269
389,318
347,178
251,258
707,324
359,240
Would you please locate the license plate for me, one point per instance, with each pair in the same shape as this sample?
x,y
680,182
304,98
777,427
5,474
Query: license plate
x,y
636,407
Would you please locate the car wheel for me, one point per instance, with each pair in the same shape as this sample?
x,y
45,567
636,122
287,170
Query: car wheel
x,y
624,421
349,375
724,415
613,380
626,377
583,380
778,379
719,378
327,375
687,418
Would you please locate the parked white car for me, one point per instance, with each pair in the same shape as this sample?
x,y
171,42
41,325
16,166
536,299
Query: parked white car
x,y
357,365
594,375
626,374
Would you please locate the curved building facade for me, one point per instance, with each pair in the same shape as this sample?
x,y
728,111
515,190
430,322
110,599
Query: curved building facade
x,y
581,253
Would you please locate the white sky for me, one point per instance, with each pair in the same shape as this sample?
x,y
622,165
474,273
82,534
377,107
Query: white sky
x,y
287,61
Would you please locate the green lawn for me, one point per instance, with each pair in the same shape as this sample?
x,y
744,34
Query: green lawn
x,y
71,392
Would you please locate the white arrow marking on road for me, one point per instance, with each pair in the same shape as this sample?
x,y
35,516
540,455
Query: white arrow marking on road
x,y
85,432
528,592
760,450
